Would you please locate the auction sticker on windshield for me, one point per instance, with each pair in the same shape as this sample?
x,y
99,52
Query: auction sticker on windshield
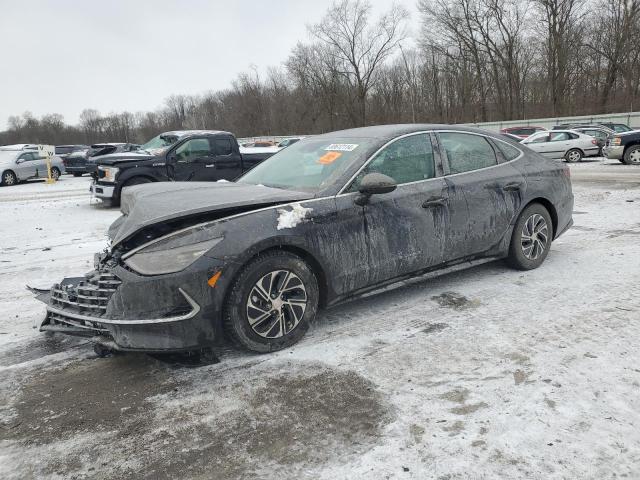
x,y
342,147
329,158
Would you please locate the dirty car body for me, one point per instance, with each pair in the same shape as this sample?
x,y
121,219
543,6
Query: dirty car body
x,y
445,196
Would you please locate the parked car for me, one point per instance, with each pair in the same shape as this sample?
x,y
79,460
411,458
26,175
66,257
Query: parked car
x,y
617,127
82,162
63,151
329,218
289,141
187,155
19,146
259,144
568,144
522,132
624,147
601,134
21,165
515,138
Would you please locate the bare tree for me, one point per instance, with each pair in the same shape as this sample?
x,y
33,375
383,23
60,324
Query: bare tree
x,y
360,49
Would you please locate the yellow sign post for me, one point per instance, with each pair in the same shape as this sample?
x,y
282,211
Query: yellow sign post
x,y
48,151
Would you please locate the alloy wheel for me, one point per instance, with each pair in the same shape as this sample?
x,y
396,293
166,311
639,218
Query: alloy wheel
x,y
634,156
574,156
534,236
9,179
276,304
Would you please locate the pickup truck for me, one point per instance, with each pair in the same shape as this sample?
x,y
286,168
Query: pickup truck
x,y
624,147
182,156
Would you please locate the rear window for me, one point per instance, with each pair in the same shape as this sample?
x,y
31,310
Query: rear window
x,y
223,146
508,152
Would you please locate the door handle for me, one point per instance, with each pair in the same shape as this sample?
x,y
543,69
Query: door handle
x,y
434,202
512,187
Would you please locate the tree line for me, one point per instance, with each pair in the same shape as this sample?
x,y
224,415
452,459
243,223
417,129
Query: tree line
x,y
470,61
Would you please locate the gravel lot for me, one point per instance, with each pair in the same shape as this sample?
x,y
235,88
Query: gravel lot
x,y
483,373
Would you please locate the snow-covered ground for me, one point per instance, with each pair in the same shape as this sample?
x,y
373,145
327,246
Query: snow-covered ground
x,y
483,373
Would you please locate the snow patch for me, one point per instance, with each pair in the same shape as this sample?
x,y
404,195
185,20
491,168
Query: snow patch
x,y
291,218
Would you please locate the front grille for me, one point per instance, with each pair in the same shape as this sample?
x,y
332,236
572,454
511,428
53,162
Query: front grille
x,y
87,297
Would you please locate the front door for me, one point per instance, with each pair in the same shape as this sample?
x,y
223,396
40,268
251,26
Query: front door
x,y
491,190
189,159
404,229
26,165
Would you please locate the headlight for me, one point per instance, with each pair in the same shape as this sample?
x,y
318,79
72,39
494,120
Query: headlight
x,y
109,173
170,260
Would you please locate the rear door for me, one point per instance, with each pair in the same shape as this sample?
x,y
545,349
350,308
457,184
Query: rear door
x,y
189,160
404,229
559,143
225,164
481,177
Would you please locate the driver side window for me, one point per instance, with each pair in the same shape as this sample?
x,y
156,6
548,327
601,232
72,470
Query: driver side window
x,y
192,149
409,159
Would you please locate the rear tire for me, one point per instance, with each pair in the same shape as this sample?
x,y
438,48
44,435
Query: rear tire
x,y
271,302
632,155
55,173
573,155
531,238
8,179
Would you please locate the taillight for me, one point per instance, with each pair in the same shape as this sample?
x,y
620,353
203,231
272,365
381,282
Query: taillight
x,y
594,141
616,141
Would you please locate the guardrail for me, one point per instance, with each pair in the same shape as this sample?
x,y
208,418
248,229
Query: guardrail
x,y
631,118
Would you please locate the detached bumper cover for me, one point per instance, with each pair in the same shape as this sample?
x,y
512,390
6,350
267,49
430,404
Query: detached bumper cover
x,y
131,312
615,152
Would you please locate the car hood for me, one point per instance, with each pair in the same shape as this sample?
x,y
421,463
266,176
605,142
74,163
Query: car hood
x,y
155,203
114,158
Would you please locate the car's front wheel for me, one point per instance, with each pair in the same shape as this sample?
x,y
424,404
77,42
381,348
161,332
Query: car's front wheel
x,y
272,302
9,178
632,155
55,173
531,238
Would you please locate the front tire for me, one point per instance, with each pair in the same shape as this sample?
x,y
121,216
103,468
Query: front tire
x,y
271,303
573,155
55,173
9,179
531,238
632,155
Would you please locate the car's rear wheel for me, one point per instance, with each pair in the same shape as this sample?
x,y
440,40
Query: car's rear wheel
x,y
531,238
573,155
632,155
271,303
9,178
55,173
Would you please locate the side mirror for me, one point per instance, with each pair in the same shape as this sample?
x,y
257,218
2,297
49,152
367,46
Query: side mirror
x,y
374,184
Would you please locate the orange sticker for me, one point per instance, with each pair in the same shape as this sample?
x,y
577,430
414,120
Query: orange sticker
x,y
329,158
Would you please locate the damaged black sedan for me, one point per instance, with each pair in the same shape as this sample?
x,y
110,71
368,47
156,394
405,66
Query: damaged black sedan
x,y
330,217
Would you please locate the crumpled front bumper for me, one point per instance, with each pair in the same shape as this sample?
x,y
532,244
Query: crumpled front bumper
x,y
126,311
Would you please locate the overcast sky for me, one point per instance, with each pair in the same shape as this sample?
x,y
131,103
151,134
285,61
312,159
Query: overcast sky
x,y
64,56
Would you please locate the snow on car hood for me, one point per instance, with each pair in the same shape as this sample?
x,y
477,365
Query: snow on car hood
x,y
154,203
113,158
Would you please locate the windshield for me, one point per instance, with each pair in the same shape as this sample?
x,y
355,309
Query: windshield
x,y
308,165
160,142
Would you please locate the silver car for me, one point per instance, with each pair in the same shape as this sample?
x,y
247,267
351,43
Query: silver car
x,y
19,165
568,144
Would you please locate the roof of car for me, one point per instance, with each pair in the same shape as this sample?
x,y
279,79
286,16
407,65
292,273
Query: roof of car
x,y
182,133
391,131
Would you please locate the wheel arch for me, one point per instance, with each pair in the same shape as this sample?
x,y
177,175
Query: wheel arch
x,y
305,255
546,203
8,170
